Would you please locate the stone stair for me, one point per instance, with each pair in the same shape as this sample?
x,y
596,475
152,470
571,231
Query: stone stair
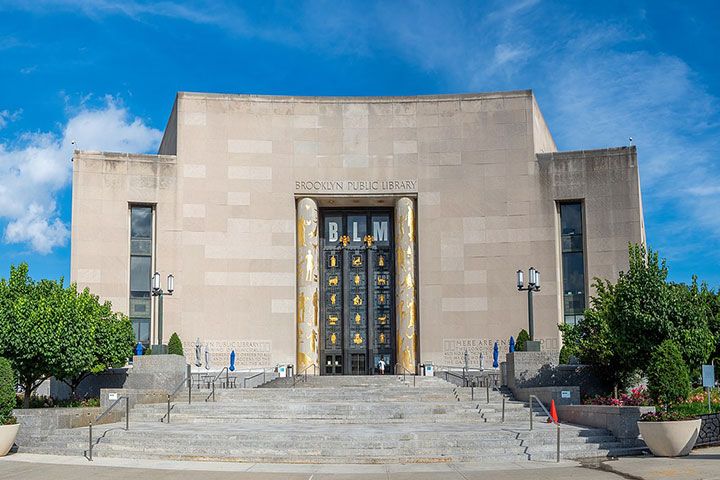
x,y
371,419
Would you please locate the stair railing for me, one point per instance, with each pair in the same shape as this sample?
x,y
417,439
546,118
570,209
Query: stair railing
x,y
177,389
254,376
212,383
550,417
404,372
461,377
90,423
303,374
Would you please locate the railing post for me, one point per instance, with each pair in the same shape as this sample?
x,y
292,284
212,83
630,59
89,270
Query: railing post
x,y
189,390
487,394
503,410
213,391
531,412
168,411
472,392
127,413
558,443
414,376
90,441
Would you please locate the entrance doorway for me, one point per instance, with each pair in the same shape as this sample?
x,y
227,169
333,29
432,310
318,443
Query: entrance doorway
x,y
357,279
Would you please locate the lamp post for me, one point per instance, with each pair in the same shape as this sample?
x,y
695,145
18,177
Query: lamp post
x,y
159,293
532,286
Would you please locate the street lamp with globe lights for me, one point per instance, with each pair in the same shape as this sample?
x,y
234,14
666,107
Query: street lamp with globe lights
x,y
159,293
532,286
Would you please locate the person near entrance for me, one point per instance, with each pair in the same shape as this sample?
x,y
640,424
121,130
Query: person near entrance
x,y
381,366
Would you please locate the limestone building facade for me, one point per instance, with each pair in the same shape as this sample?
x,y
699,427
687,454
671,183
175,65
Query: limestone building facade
x,y
330,232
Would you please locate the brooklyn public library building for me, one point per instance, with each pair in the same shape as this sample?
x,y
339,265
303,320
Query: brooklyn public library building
x,y
337,231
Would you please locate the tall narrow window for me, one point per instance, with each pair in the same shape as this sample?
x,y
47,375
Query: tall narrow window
x,y
140,270
573,263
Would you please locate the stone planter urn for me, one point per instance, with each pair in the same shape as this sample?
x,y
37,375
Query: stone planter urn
x,y
7,437
671,438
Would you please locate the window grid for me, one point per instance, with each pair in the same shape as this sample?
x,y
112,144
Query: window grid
x,y
140,270
573,261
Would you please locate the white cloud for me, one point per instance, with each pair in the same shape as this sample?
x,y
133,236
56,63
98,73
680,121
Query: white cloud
x,y
33,171
7,117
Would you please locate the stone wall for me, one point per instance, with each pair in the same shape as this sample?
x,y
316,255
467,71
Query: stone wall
x,y
621,421
709,429
37,423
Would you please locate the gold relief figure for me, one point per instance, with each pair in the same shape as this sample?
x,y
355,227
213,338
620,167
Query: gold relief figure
x,y
309,266
411,223
314,341
332,319
316,308
357,340
401,223
412,308
369,239
381,261
357,300
401,309
333,261
301,308
357,261
382,319
357,279
357,318
313,234
333,339
382,281
333,281
301,231
304,361
406,357
382,338
408,282
401,257
345,240
382,299
332,298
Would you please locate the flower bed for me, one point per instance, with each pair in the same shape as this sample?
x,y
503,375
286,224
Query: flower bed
x,y
41,401
638,397
665,417
697,403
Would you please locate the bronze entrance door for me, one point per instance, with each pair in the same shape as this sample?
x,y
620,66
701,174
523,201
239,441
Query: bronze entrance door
x,y
357,291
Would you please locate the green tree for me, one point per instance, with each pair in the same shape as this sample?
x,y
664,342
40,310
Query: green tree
x,y
594,343
175,345
522,337
667,374
7,392
47,330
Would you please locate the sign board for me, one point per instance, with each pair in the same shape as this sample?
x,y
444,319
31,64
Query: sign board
x,y
708,375
112,396
565,393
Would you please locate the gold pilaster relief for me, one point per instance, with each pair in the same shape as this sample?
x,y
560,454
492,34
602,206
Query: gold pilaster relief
x,y
405,273
308,288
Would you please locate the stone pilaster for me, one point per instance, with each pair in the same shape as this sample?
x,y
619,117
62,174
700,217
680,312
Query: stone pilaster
x,y
406,302
308,286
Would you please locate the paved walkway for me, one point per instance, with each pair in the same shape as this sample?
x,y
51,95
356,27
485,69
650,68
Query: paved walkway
x,y
701,464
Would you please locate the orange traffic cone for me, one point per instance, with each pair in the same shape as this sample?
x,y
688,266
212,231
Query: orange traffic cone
x,y
553,411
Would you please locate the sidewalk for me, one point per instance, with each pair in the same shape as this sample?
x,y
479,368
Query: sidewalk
x,y
701,464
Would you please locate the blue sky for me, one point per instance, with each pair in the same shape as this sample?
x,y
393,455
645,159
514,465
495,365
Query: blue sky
x,y
105,74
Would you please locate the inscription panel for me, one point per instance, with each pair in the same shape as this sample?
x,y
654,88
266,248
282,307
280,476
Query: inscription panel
x,y
248,353
454,349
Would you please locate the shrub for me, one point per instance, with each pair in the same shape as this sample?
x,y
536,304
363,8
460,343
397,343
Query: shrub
x,y
7,392
175,345
522,337
638,398
667,374
565,354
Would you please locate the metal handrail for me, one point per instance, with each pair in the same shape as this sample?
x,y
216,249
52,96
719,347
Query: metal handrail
x,y
90,423
245,379
227,374
404,371
303,373
461,377
187,379
551,419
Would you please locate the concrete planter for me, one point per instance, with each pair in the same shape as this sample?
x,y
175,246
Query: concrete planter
x,y
670,439
7,437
